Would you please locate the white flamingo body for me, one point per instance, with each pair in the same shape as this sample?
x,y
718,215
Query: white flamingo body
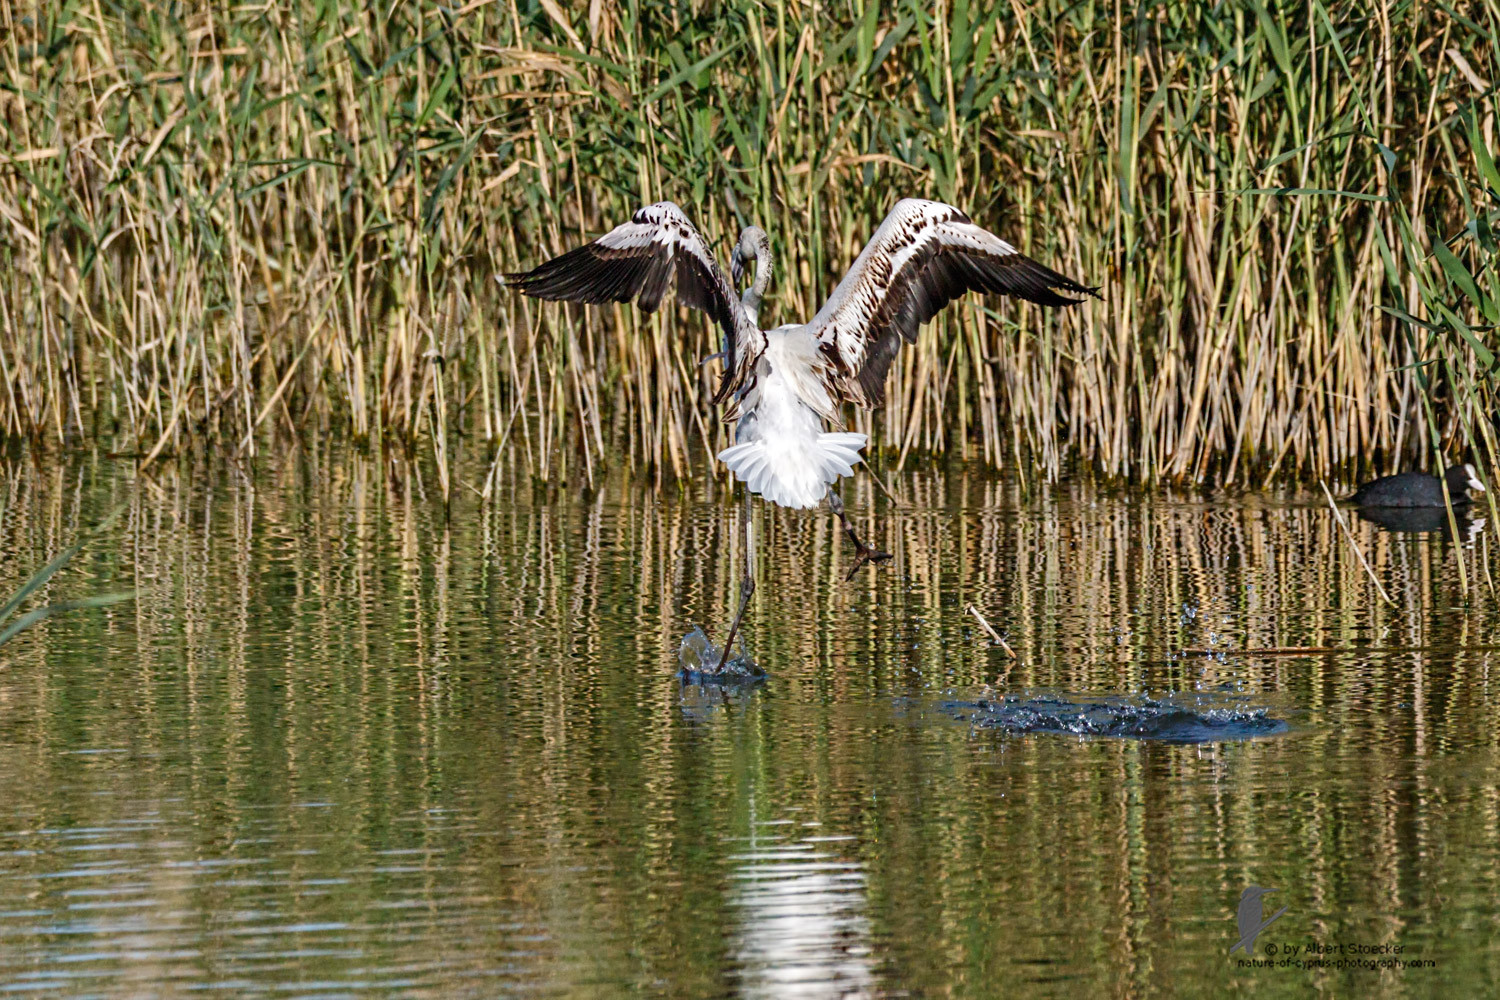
x,y
781,450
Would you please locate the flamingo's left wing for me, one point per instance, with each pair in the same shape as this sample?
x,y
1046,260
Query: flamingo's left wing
x,y
924,255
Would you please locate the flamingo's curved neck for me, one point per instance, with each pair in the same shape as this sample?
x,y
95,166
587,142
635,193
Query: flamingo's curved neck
x,y
753,295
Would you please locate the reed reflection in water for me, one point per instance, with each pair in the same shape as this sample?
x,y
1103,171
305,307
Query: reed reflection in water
x,y
343,742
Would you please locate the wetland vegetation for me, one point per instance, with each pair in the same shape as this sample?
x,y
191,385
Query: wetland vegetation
x,y
219,227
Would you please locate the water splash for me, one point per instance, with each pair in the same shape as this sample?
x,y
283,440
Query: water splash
x,y
1173,718
699,661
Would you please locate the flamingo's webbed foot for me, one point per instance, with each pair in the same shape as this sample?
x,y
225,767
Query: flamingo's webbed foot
x,y
863,554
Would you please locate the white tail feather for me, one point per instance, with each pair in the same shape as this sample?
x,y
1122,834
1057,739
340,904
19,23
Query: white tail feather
x,y
792,472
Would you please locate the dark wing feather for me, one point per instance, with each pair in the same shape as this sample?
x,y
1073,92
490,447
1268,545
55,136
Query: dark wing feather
x,y
924,255
640,261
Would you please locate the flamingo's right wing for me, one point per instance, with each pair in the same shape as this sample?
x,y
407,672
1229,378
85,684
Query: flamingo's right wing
x,y
641,260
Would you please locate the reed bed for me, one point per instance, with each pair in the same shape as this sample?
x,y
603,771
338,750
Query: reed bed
x,y
232,227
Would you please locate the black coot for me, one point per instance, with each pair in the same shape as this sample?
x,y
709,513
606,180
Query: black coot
x,y
1418,489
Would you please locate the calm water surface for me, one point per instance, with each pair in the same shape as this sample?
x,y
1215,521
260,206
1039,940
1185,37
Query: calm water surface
x,y
342,744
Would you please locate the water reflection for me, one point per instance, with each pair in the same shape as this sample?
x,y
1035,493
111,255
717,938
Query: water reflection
x,y
347,739
801,926
1425,519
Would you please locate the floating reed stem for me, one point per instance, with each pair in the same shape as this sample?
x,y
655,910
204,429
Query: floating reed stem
x,y
1339,517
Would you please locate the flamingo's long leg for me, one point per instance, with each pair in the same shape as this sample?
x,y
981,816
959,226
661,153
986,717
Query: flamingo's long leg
x,y
747,583
863,553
